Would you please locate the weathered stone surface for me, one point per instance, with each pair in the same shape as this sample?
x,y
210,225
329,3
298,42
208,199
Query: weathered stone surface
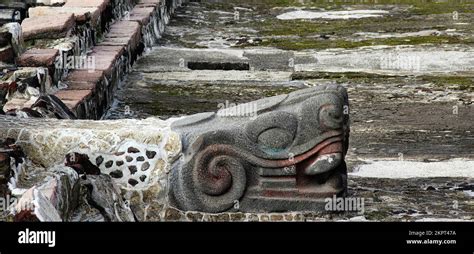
x,y
100,4
7,54
47,141
141,15
222,152
151,2
94,76
50,106
5,37
9,14
126,30
77,85
106,57
104,195
16,37
73,97
53,199
38,58
81,14
5,172
44,27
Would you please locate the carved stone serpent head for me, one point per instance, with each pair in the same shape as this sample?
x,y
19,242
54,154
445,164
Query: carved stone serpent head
x,y
280,153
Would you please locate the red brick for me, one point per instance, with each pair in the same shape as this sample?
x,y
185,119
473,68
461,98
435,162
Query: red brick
x,y
106,56
126,30
38,57
46,27
141,15
111,41
81,14
79,85
101,4
73,95
71,104
85,76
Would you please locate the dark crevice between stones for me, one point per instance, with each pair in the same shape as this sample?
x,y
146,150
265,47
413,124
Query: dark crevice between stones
x,y
218,66
91,201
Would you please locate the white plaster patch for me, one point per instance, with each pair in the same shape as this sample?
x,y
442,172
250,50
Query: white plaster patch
x,y
133,160
355,14
414,169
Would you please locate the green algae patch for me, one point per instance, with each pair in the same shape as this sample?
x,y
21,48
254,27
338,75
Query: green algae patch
x,y
318,43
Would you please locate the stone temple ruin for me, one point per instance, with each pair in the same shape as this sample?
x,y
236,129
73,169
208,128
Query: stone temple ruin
x,y
278,154
289,156
276,150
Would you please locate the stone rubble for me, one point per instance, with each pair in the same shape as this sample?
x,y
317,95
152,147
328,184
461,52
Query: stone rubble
x,y
43,181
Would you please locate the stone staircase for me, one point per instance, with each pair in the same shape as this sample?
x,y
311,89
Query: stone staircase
x,y
83,49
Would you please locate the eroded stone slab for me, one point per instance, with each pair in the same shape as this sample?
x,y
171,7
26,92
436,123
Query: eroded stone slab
x,y
127,30
81,14
142,15
38,58
44,27
85,76
100,4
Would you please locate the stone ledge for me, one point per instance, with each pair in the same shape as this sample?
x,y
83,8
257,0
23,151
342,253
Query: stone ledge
x,y
73,95
81,14
126,30
80,85
44,27
106,57
89,92
38,58
150,2
142,15
85,76
100,4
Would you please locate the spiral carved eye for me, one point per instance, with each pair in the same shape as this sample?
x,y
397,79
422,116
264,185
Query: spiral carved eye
x,y
273,132
330,117
275,138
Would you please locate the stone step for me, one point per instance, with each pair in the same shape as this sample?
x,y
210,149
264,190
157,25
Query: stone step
x,y
89,90
92,76
38,58
141,15
73,97
81,14
150,3
125,31
105,57
45,27
100,4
